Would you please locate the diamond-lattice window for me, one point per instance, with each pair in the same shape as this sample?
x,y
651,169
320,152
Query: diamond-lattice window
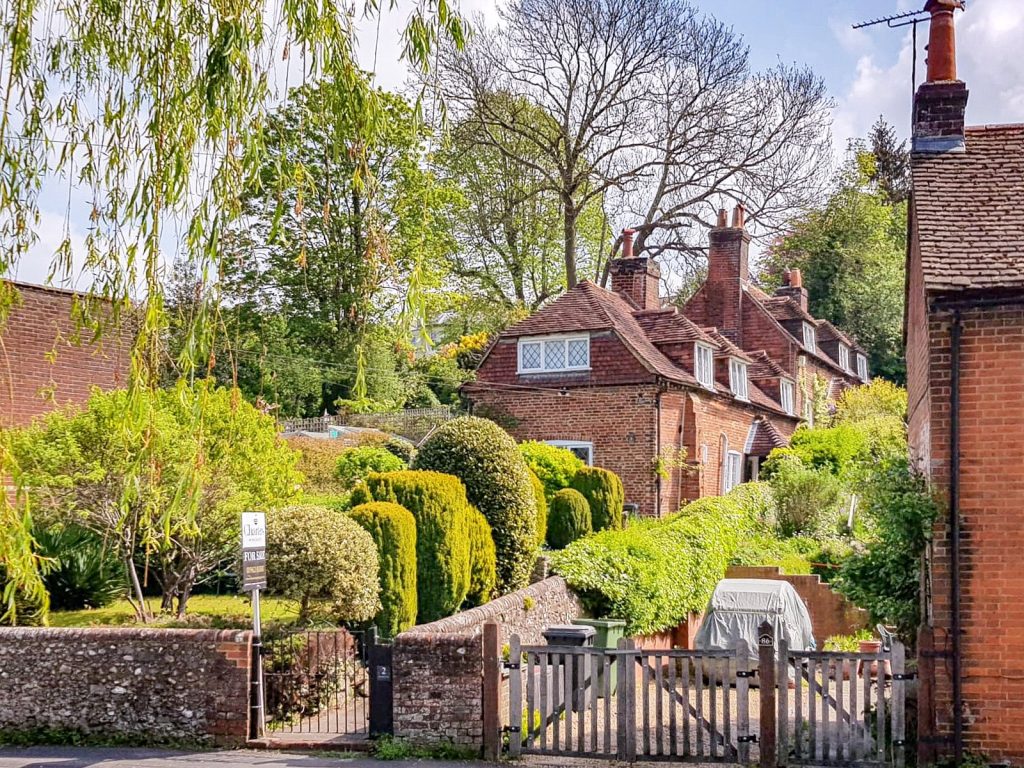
x,y
579,353
530,356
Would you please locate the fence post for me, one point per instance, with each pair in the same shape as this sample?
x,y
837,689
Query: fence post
x,y
782,683
381,671
766,673
742,702
899,692
492,692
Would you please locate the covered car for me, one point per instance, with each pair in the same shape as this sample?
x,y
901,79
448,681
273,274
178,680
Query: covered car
x,y
739,606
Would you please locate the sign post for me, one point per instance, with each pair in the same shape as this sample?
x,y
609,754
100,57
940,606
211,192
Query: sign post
x,y
254,578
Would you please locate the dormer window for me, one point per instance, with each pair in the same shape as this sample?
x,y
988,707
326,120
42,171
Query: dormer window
x,y
704,365
844,357
738,378
553,354
786,396
810,338
862,367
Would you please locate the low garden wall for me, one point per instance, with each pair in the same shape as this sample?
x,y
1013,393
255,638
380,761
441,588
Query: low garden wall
x,y
144,685
439,667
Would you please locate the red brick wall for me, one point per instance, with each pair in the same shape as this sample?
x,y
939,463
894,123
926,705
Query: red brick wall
x,y
918,367
715,419
43,366
992,520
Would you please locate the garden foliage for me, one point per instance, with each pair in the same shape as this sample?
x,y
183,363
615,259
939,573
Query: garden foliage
x,y
324,560
438,503
393,529
554,466
82,571
603,491
497,481
354,464
569,518
483,573
542,507
808,498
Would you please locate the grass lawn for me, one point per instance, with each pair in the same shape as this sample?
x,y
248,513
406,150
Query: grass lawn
x,y
216,611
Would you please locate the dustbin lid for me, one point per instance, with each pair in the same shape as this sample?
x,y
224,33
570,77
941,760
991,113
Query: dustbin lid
x,y
574,631
602,623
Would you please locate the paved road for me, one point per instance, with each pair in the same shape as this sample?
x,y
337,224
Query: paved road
x,y
82,757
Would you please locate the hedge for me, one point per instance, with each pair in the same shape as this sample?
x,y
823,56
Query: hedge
x,y
554,466
541,502
393,529
438,503
487,460
603,491
483,573
570,518
654,573
354,464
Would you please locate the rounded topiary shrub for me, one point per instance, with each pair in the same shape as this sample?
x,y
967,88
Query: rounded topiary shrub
x,y
541,502
483,559
322,559
568,518
356,463
487,460
602,489
554,466
438,503
402,448
393,529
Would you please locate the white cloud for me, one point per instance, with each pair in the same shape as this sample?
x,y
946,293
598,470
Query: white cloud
x,y
988,42
35,266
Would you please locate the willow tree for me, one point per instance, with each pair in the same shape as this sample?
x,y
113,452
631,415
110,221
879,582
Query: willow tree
x,y
155,110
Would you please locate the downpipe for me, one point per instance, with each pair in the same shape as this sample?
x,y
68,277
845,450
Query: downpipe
x,y
955,336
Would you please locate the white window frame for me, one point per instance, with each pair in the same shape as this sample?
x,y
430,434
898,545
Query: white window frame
x,y
738,379
810,337
707,368
862,367
808,407
543,341
577,444
732,473
844,357
787,396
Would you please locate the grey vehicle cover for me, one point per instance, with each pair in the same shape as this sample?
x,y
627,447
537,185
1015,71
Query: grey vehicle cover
x,y
737,608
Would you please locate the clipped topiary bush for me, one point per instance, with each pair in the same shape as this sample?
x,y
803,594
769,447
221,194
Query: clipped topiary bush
x,y
554,466
541,502
315,555
354,464
438,503
393,529
402,448
602,489
487,460
569,518
483,574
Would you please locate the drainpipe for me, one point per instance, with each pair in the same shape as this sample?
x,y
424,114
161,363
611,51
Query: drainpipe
x,y
955,333
657,450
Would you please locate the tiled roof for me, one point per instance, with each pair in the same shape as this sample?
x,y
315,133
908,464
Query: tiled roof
x,y
763,367
726,346
666,326
967,215
782,308
765,439
828,332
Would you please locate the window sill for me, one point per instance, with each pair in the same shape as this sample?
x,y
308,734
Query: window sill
x,y
548,371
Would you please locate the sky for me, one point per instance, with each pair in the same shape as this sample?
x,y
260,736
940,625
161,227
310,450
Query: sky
x,y
867,72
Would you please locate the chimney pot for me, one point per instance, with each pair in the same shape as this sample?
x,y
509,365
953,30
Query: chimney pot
x,y
796,280
738,216
723,218
942,40
627,243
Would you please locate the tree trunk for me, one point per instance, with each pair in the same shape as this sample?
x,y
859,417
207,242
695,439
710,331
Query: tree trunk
x,y
569,216
141,612
183,596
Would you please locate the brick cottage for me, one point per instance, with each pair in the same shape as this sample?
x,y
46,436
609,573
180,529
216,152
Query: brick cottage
x,y
681,404
965,379
44,364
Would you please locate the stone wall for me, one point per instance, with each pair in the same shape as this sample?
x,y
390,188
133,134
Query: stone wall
x,y
146,685
831,613
439,667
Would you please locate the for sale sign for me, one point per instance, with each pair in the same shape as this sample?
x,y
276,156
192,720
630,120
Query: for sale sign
x,y
254,551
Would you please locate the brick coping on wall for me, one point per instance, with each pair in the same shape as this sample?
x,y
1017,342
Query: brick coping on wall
x,y
129,633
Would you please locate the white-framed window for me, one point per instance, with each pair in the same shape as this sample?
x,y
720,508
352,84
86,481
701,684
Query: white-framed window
x,y
582,450
786,396
704,365
862,367
810,338
809,411
554,353
844,357
733,472
738,378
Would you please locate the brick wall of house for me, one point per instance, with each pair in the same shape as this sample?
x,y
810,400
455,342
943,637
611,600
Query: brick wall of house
x,y
147,685
439,667
992,496
918,368
44,365
722,426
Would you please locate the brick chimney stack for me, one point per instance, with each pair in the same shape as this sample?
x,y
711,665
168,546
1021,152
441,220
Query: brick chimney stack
x,y
941,102
793,287
728,271
636,278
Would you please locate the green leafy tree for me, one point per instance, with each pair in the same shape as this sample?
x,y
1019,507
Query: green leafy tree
x,y
393,529
555,467
891,171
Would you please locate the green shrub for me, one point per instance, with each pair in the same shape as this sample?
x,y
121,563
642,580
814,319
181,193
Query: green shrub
x,y
400,447
483,573
569,518
82,572
554,466
30,610
603,491
542,508
340,501
487,460
354,464
318,463
438,503
835,450
808,499
314,554
655,572
760,504
393,529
